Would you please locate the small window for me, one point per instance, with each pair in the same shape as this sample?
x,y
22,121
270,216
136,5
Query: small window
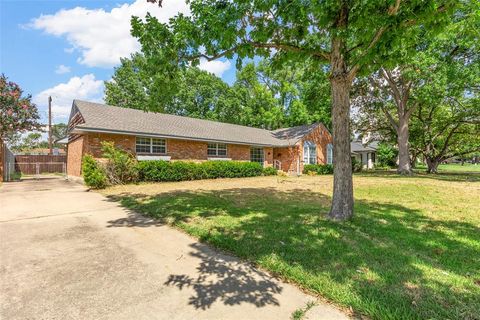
x,y
150,145
309,152
142,145
217,149
256,155
329,153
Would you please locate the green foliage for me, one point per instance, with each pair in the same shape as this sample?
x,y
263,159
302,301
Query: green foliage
x,y
17,112
16,176
269,171
262,96
59,131
94,174
182,170
121,166
318,168
356,165
387,155
31,141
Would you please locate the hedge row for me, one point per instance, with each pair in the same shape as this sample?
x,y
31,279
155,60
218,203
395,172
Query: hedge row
x,y
318,168
181,170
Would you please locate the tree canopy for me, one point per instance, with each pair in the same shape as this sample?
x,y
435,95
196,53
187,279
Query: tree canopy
x,y
351,36
432,96
17,112
262,95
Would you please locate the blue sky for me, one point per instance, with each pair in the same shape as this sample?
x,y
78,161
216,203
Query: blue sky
x,y
68,48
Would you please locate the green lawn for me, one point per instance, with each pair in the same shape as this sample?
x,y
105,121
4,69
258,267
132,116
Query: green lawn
x,y
467,167
455,167
411,252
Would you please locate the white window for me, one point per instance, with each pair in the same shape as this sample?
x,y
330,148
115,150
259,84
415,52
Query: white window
x,y
150,145
329,153
217,149
309,153
256,155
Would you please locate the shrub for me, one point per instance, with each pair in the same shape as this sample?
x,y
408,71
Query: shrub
x,y
182,170
356,165
269,171
387,155
93,173
121,166
318,168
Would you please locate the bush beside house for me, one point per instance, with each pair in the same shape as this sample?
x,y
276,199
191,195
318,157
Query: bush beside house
x,y
120,167
182,170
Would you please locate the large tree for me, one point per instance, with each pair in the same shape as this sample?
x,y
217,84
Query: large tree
x,y
446,130
436,86
348,35
17,112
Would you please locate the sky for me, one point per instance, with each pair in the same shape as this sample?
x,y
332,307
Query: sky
x,y
67,49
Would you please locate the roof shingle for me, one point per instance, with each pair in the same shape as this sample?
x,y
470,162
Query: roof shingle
x,y
100,117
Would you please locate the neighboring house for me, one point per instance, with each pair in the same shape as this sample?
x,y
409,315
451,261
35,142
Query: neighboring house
x,y
364,153
158,136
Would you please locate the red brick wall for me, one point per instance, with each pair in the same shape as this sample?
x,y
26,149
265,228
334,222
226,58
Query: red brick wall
x,y
268,156
238,152
321,137
290,155
93,142
74,157
186,150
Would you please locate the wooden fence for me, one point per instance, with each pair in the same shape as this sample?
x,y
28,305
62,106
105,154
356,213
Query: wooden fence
x,y
38,164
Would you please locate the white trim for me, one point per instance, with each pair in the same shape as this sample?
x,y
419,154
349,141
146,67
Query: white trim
x,y
307,145
152,157
151,145
216,149
330,156
219,159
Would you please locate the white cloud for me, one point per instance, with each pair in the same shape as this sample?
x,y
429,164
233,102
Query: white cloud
x,y
217,67
61,69
102,37
84,88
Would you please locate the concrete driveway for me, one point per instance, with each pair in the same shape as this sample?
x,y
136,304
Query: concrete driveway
x,y
71,254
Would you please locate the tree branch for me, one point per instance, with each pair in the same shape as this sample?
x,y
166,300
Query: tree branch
x,y
281,46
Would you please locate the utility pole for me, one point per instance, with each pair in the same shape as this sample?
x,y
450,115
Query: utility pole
x,y
50,124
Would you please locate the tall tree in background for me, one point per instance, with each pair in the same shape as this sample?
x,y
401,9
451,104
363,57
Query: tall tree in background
x,y
198,94
348,35
59,131
441,79
262,96
17,112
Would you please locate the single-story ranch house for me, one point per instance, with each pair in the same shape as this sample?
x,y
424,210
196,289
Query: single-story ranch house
x,y
158,136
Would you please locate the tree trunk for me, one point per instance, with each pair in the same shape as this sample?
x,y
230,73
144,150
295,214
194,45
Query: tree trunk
x,y
432,165
342,201
404,166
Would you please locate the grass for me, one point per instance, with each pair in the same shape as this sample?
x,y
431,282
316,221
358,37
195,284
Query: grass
x,y
412,251
455,167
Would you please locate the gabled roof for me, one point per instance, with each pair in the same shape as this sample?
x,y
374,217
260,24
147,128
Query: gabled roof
x,y
104,118
357,146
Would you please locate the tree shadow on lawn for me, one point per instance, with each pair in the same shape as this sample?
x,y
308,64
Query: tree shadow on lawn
x,y
390,261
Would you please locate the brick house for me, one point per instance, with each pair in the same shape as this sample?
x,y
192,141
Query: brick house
x,y
157,136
